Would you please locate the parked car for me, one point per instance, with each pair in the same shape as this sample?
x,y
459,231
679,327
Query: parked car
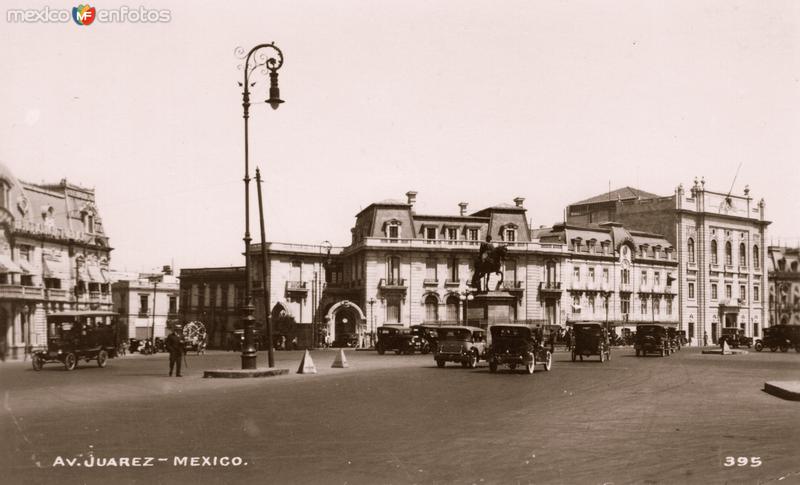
x,y
780,337
462,344
735,338
514,345
428,337
397,338
591,338
673,338
75,335
651,338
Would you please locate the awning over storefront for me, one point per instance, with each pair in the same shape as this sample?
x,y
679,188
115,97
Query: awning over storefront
x,y
26,267
51,272
8,266
95,275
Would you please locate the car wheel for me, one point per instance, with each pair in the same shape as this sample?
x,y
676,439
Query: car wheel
x,y
548,362
440,363
492,366
102,358
380,349
38,362
759,346
70,361
473,360
529,367
784,348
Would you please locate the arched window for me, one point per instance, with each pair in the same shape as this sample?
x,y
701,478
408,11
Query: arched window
x,y
690,247
452,308
756,258
728,254
431,309
742,255
714,255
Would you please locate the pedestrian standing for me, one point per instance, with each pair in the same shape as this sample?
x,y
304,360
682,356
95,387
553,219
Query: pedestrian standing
x,y
175,349
705,339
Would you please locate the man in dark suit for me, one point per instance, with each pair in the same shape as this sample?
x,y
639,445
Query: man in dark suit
x,y
175,348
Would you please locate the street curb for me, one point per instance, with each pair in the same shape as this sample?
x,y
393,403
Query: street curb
x,y
789,390
730,352
244,373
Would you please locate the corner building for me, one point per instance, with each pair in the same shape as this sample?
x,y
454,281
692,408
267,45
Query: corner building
x,y
720,243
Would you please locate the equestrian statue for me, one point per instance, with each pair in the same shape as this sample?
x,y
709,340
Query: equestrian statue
x,y
489,260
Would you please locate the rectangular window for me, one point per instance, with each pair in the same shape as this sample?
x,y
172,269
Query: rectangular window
x,y
643,305
430,233
510,275
430,270
393,310
669,306
143,304
53,283
626,276
452,269
173,304
511,235
756,294
644,277
26,280
656,278
743,292
576,304
25,252
728,292
576,273
656,306
605,275
625,304
591,305
713,291
452,233
394,232
691,291
473,234
591,274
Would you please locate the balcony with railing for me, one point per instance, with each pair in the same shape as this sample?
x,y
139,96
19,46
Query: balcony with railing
x,y
393,285
56,294
550,288
513,286
297,288
432,282
465,244
452,283
19,292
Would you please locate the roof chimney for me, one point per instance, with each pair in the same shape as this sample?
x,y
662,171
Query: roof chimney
x,y
519,201
462,206
412,197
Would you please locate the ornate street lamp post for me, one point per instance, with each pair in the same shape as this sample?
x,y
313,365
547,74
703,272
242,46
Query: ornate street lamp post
x,y
371,322
269,57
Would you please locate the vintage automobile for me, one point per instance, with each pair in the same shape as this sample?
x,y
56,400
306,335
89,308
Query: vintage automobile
x,y
75,335
428,337
515,344
735,338
674,339
591,338
462,344
397,338
651,338
780,337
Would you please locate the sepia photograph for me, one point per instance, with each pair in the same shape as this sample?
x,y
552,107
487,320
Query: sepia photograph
x,y
381,242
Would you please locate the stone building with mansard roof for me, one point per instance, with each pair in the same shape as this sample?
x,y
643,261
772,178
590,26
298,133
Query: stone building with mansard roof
x,y
54,256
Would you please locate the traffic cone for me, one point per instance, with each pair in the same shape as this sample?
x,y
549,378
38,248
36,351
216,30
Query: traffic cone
x,y
725,349
307,365
340,362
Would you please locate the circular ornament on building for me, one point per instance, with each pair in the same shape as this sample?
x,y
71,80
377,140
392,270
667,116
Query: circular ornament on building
x,y
22,205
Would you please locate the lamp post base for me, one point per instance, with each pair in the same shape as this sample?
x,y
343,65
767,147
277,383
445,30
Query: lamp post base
x,y
248,361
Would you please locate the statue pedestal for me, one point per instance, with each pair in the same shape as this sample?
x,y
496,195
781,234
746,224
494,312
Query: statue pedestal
x,y
492,307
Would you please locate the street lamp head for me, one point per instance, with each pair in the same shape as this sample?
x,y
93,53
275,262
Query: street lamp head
x,y
274,91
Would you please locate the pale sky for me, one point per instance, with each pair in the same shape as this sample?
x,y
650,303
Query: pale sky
x,y
459,100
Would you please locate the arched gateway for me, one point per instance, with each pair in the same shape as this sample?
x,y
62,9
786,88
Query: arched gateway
x,y
345,320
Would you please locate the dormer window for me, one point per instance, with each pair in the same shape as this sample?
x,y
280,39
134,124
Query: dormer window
x,y
430,232
590,245
392,229
509,232
452,233
88,222
576,244
473,234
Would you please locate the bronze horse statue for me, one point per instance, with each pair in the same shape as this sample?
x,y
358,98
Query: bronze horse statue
x,y
492,263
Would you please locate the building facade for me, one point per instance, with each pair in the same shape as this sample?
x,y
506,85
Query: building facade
x,y
54,256
784,285
719,240
148,304
214,297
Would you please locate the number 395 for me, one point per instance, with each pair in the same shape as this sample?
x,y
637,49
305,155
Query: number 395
x,y
752,461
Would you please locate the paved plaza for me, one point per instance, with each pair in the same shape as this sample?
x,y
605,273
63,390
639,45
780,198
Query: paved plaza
x,y
400,419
